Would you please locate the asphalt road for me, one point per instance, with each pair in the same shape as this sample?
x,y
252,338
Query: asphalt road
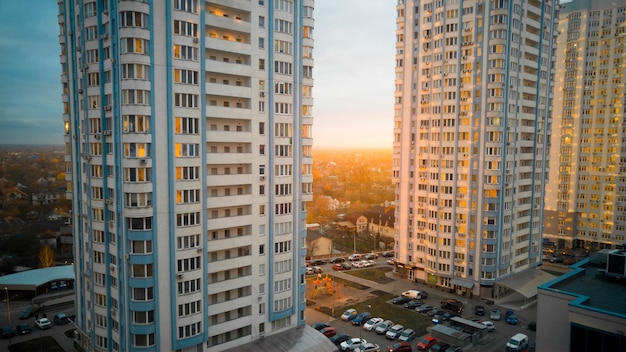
x,y
57,331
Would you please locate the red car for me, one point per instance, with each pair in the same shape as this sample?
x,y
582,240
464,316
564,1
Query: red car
x,y
329,331
426,343
337,267
400,347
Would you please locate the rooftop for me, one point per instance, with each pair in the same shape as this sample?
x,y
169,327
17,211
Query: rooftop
x,y
592,288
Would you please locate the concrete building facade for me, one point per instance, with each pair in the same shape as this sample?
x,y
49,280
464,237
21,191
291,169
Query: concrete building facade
x,y
188,148
471,139
586,197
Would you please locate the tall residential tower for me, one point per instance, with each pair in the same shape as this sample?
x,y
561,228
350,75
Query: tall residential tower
x,y
188,140
586,198
472,120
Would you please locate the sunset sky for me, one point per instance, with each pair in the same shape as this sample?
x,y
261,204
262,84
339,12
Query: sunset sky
x,y
354,72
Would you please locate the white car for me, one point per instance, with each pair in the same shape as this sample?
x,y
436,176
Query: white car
x,y
354,257
490,326
352,344
43,323
383,327
372,324
349,314
394,332
407,335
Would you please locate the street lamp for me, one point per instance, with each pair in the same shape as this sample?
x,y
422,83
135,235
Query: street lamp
x,y
361,327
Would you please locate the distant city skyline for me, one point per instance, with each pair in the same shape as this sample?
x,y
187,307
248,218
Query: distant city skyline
x,y
354,74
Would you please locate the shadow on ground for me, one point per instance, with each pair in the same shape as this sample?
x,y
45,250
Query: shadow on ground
x,y
47,343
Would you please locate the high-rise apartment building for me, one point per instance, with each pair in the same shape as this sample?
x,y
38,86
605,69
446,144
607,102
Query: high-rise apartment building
x,y
188,141
471,138
586,197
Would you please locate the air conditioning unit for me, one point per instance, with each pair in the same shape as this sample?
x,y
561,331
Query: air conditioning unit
x,y
108,201
142,161
199,250
112,267
464,57
196,40
127,256
107,132
180,276
107,108
80,91
97,136
105,12
111,223
262,94
104,36
113,312
262,178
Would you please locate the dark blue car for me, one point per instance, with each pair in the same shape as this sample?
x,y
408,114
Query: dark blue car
x,y
361,318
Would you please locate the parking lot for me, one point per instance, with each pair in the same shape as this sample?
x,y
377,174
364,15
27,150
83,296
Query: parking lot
x,y
494,341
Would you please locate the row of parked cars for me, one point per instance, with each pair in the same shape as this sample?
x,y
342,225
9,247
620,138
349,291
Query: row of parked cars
x,y
41,323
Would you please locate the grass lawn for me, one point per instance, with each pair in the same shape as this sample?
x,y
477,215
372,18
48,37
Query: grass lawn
x,y
379,307
373,274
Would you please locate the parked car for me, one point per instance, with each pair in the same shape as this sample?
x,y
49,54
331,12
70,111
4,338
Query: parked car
x,y
317,270
495,315
391,261
439,347
369,347
400,347
387,254
352,344
349,314
371,256
7,332
452,305
317,262
357,264
407,335
43,323
400,300
413,304
346,266
372,324
415,294
329,331
337,260
337,267
309,270
361,318
436,311
60,319
382,328
394,332
479,310
557,260
339,338
354,257
491,327
319,325
511,318
426,343
23,329
425,308
27,313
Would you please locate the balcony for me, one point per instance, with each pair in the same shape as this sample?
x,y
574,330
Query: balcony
x,y
228,46
229,158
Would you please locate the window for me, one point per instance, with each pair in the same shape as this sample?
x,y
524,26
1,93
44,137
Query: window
x,y
132,174
141,247
140,317
142,294
138,199
134,46
141,340
187,125
190,308
187,173
141,270
187,196
136,123
136,150
186,76
184,28
135,97
189,286
186,100
188,219
133,19
135,71
189,330
188,53
190,6
139,224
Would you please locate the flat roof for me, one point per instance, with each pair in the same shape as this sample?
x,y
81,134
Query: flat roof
x,y
304,338
526,282
591,288
29,280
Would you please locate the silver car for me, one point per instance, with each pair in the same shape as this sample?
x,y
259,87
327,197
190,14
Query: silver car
x,y
382,328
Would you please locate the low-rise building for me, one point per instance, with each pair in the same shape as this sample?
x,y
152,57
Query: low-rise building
x,y
585,310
